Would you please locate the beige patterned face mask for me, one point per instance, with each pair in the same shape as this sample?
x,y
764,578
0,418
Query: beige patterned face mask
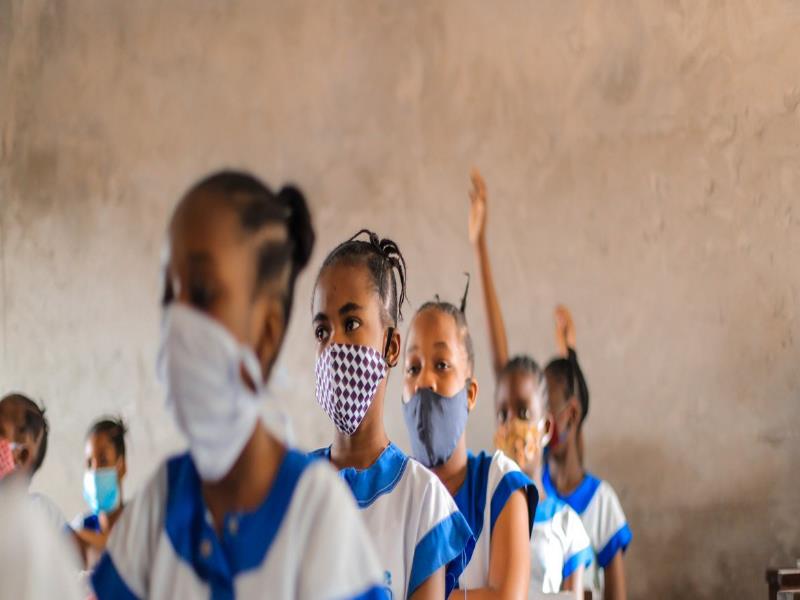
x,y
521,440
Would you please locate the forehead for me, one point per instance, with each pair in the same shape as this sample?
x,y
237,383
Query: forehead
x,y
204,221
14,411
516,385
99,442
431,326
341,283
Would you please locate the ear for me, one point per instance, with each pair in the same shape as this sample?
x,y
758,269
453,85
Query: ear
x,y
472,393
122,468
574,412
270,331
394,345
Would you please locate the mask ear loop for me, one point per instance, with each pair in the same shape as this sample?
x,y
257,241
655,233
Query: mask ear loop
x,y
389,334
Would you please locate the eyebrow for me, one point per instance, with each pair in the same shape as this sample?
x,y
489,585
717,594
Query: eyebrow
x,y
348,308
415,347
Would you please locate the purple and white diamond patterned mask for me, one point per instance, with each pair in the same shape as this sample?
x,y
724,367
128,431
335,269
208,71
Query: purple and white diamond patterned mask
x,y
348,377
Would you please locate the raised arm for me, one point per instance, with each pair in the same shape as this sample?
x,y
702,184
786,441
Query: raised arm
x,y
565,330
477,236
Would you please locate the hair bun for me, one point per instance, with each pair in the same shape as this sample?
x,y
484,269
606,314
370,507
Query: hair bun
x,y
299,224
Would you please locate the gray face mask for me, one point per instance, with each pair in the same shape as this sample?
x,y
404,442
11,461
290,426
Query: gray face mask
x,y
435,424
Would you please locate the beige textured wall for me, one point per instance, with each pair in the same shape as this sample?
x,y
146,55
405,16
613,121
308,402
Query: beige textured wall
x,y
643,160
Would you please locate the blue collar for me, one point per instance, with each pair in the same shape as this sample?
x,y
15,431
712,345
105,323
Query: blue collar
x,y
580,498
379,478
246,536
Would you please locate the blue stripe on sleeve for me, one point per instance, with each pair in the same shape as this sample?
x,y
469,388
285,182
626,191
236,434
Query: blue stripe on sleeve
x,y
580,559
510,483
374,593
108,583
618,542
450,538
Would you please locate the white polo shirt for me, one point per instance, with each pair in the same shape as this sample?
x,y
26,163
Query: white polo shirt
x,y
602,515
415,525
306,540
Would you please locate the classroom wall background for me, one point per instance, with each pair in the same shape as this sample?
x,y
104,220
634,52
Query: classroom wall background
x,y
643,163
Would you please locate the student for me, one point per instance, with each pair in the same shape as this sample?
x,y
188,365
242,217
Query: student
x,y
102,487
570,452
239,515
416,526
496,498
565,477
23,424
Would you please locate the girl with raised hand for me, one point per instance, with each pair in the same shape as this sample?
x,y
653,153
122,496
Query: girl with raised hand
x,y
415,525
239,514
496,498
102,487
564,416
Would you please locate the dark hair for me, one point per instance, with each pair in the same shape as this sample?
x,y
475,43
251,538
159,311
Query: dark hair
x,y
114,428
568,372
386,266
522,362
257,206
459,314
35,423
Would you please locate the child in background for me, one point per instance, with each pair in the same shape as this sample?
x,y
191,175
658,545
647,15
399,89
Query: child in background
x,y
495,497
102,487
563,476
23,424
239,515
415,525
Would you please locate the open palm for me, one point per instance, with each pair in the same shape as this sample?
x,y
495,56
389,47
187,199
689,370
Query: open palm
x,y
477,208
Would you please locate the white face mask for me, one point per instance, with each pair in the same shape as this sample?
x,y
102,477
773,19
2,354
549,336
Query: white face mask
x,y
200,364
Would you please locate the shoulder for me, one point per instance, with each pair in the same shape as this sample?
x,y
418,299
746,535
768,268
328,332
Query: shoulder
x,y
48,509
505,478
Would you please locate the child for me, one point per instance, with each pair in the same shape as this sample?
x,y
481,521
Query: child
x,y
239,515
570,452
495,497
414,522
23,424
102,487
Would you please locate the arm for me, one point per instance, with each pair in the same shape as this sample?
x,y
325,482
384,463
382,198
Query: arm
x,y
565,330
432,588
477,236
615,579
510,562
574,583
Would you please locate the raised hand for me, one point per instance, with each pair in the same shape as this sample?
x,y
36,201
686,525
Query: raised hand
x,y
477,208
565,330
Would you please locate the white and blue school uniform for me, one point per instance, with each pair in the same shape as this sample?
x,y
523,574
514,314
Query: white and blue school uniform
x,y
602,515
559,545
489,483
416,527
305,540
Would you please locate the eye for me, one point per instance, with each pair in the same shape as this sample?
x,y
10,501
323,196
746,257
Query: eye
x,y
200,296
321,333
351,325
442,366
524,414
502,415
412,370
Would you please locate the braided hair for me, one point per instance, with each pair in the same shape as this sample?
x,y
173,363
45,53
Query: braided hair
x,y
568,372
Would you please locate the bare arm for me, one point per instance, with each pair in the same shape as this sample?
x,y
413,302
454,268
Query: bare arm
x,y
477,236
615,579
509,562
574,583
565,330
432,588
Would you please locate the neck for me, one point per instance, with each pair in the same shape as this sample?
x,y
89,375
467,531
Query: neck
x,y
248,482
363,448
566,471
453,473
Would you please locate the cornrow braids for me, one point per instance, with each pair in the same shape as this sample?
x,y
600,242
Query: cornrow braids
x,y
460,317
522,362
386,266
568,372
115,429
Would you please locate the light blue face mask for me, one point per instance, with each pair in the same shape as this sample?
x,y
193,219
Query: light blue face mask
x,y
101,490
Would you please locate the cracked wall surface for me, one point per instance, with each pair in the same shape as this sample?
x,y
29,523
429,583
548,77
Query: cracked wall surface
x,y
643,161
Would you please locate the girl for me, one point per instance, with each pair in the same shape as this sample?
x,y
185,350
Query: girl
x,y
414,522
239,515
495,497
565,416
102,487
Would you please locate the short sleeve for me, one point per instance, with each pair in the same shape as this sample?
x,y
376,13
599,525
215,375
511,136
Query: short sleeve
x,y
338,555
615,533
578,550
124,569
443,535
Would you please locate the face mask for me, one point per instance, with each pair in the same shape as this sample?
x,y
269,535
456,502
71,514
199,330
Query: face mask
x,y
559,436
101,490
200,364
435,424
7,462
521,440
347,380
